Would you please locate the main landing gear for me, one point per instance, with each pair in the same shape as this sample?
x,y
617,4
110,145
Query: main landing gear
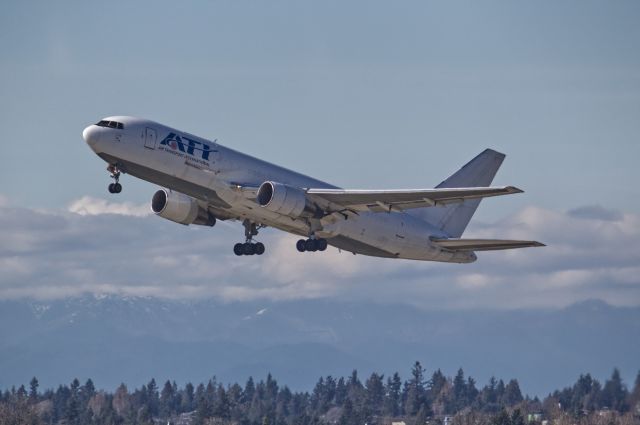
x,y
249,247
114,173
311,245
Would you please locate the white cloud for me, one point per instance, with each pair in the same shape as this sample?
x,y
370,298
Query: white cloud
x,y
94,206
103,248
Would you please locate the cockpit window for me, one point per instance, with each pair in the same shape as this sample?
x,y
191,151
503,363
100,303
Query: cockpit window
x,y
111,124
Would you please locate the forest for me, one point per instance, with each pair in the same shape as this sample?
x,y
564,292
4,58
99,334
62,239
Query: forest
x,y
421,399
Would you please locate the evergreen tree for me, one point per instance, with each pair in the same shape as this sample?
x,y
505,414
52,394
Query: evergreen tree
x,y
489,396
235,401
87,391
166,400
330,390
153,398
472,391
354,381
436,384
437,393
221,407
500,388
392,399
614,393
375,393
584,396
187,399
60,400
317,397
355,390
203,406
459,393
72,412
249,391
283,403
512,394
415,391
22,393
33,390
341,392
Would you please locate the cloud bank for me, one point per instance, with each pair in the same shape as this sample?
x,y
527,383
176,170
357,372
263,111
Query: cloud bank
x,y
103,247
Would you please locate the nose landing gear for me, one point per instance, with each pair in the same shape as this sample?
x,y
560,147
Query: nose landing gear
x,y
249,247
114,173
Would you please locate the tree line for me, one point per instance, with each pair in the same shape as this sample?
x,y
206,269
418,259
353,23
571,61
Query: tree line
x,y
351,400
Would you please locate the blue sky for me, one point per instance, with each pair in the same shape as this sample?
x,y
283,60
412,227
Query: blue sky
x,y
361,94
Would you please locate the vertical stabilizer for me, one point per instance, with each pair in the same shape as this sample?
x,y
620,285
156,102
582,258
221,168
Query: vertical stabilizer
x,y
478,172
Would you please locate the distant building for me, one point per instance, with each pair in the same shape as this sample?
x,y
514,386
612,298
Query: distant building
x,y
534,417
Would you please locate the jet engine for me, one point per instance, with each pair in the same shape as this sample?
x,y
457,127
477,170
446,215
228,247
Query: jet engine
x,y
283,199
180,208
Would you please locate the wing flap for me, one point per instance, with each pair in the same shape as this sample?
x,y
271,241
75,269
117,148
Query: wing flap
x,y
483,244
388,200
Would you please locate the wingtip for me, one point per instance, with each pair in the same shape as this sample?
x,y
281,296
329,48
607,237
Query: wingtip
x,y
537,244
494,152
513,189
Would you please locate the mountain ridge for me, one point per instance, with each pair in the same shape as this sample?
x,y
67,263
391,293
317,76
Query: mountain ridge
x,y
115,339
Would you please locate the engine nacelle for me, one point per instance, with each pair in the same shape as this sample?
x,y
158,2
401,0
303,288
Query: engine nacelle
x,y
180,208
283,199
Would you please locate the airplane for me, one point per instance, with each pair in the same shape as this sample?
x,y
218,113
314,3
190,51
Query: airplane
x,y
204,181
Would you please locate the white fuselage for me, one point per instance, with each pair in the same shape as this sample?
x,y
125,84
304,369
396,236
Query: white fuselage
x,y
216,175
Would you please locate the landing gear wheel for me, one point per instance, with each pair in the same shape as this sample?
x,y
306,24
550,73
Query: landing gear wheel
x,y
117,188
248,249
112,187
300,245
311,245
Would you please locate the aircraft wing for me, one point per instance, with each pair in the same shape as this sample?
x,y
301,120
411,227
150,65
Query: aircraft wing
x,y
387,200
482,244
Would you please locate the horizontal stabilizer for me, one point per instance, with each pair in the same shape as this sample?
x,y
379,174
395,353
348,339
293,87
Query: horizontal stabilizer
x,y
482,244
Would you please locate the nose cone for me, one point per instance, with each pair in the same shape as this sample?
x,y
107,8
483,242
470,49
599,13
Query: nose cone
x,y
91,135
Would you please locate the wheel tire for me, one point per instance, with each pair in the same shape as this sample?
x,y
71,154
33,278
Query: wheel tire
x,y
117,188
322,244
112,188
248,249
311,245
238,249
300,245
259,248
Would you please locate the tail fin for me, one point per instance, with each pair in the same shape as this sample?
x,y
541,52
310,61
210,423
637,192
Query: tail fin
x,y
453,219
